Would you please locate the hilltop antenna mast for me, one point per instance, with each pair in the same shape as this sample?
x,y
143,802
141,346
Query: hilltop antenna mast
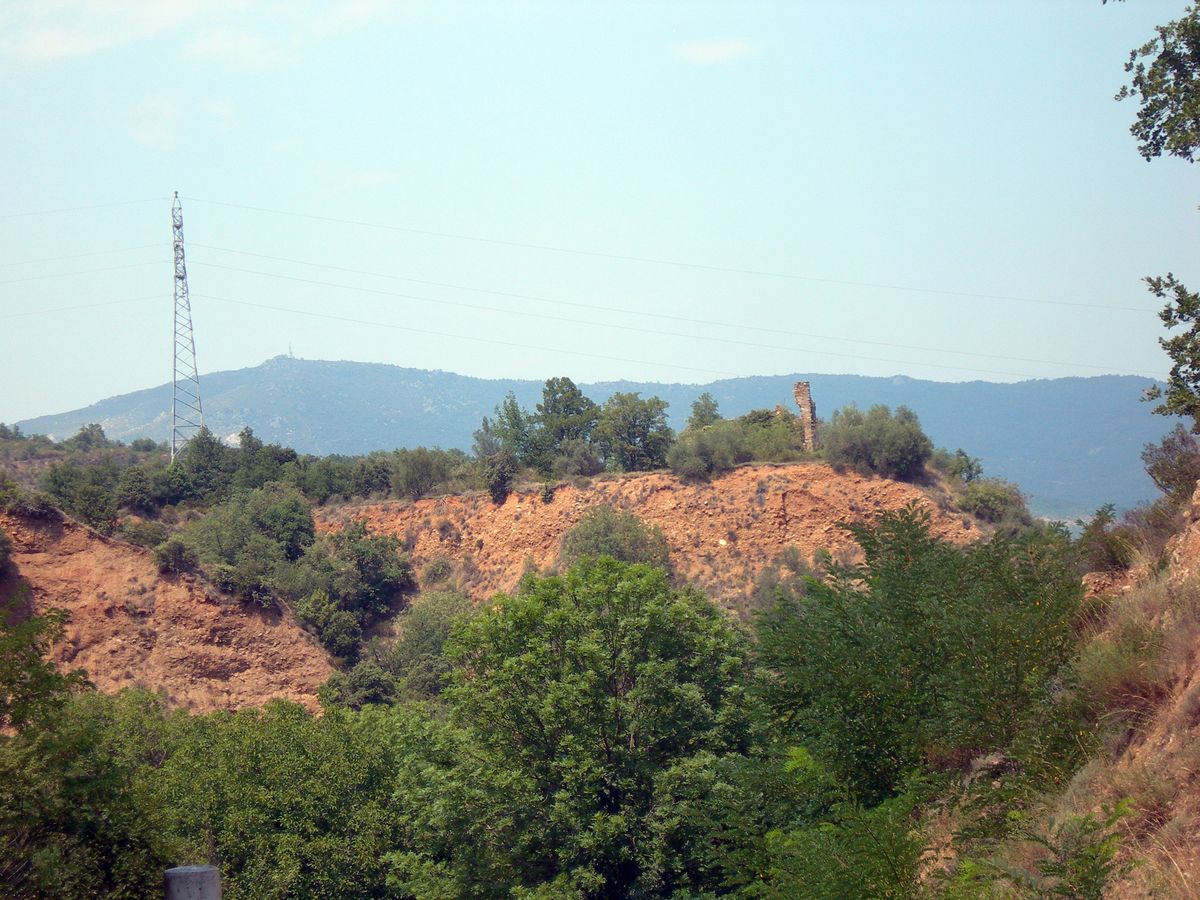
x,y
187,415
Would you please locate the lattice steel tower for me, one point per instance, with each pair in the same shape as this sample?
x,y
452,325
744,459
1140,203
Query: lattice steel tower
x,y
187,415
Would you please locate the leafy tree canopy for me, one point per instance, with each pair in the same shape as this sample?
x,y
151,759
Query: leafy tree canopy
x,y
1165,79
584,688
633,433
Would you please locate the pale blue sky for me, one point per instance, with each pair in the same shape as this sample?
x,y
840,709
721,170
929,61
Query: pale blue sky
x,y
950,146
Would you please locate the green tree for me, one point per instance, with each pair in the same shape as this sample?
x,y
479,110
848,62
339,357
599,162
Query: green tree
x,y
89,437
135,491
704,412
499,473
1174,464
565,413
72,824
965,467
583,690
31,688
259,463
1182,394
286,804
877,441
1165,79
632,433
417,656
1168,89
209,464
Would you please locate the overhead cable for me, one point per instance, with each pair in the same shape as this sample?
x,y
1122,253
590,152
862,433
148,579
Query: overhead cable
x,y
648,314
764,273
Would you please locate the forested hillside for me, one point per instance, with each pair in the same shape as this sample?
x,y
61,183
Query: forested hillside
x,y
1071,443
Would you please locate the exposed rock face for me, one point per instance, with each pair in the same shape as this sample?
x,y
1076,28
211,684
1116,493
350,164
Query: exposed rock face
x,y
721,533
1184,548
802,392
132,626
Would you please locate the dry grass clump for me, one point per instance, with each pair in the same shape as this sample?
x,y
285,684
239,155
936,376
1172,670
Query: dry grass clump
x,y
1138,672
1141,644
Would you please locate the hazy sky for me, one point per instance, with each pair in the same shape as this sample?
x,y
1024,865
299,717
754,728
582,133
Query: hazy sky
x,y
894,184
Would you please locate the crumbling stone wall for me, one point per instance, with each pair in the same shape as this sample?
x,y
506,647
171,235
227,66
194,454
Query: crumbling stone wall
x,y
808,414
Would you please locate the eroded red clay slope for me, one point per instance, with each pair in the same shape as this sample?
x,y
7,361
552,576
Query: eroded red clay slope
x,y
131,626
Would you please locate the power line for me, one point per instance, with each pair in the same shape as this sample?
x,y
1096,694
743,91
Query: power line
x,y
44,277
464,337
645,313
49,259
634,328
71,209
764,273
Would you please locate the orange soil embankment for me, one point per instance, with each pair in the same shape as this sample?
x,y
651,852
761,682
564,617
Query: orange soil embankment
x,y
722,533
130,626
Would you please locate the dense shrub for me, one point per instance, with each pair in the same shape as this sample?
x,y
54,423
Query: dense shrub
x,y
878,666
337,629
575,457
416,473
175,555
437,570
877,441
604,531
997,502
761,435
351,571
417,655
367,684
5,549
710,450
857,854
1103,545
142,532
27,505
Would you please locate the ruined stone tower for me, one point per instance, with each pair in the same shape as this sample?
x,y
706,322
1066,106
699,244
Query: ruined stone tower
x,y
808,414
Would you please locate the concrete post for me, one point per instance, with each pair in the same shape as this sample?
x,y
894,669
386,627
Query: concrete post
x,y
193,883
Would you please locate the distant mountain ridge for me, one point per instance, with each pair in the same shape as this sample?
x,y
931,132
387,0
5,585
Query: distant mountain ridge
x,y
1071,443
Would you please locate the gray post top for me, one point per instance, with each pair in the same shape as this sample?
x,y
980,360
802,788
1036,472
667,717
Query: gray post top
x,y
193,883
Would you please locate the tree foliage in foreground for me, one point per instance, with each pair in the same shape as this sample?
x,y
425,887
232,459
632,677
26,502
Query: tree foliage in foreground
x,y
925,655
581,691
1165,80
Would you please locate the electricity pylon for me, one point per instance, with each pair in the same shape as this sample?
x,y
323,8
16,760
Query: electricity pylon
x,y
187,415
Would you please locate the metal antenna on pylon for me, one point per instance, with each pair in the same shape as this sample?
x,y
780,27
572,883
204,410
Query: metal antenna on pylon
x,y
187,415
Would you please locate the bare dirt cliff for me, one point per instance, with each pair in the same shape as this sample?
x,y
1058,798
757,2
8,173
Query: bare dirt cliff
x,y
721,533
132,626
1145,659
